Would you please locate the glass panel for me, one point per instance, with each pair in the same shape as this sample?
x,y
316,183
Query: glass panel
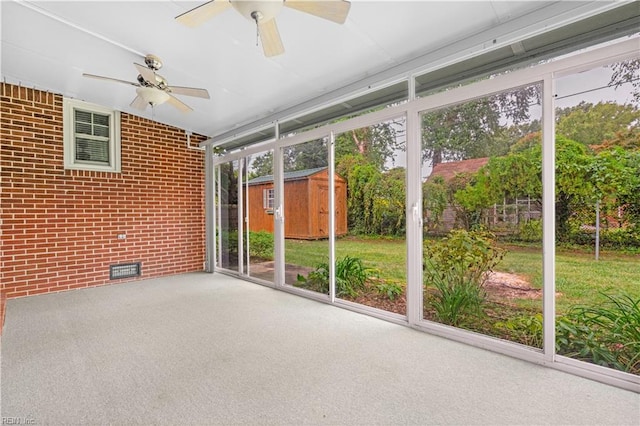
x,y
102,131
482,215
82,116
83,128
306,215
258,210
598,216
100,119
370,216
228,215
92,151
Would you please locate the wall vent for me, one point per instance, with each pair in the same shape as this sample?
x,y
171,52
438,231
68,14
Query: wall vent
x,y
126,270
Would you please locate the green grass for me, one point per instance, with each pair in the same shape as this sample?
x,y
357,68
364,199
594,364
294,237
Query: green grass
x,y
579,278
388,257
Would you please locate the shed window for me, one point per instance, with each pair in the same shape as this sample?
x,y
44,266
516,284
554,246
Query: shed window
x,y
91,137
267,198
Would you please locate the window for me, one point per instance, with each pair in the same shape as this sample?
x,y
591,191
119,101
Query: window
x,y
267,199
91,137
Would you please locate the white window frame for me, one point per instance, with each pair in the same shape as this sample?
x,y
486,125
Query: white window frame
x,y
69,107
268,198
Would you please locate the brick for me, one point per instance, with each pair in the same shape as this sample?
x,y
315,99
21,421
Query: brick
x,y
60,226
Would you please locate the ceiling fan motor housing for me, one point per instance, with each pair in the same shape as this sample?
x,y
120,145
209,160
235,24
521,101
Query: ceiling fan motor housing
x,y
153,62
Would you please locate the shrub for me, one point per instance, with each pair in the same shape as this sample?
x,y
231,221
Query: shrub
x,y
457,266
620,238
530,231
607,334
261,244
351,276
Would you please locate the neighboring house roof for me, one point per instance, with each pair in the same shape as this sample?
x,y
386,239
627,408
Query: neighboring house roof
x,y
449,170
298,174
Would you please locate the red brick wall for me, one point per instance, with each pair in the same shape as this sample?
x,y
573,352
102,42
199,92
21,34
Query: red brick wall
x,y
60,227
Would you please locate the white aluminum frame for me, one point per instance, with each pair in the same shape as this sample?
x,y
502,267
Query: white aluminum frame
x,y
546,74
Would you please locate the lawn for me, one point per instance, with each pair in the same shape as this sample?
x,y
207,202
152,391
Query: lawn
x,y
579,278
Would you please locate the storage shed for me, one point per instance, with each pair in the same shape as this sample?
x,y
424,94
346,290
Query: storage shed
x,y
306,204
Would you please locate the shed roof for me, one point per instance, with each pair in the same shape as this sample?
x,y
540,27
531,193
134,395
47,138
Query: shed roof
x,y
449,170
297,174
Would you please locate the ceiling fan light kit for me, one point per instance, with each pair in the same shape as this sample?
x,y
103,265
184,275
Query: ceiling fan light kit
x,y
263,13
152,96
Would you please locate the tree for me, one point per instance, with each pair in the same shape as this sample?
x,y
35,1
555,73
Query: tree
x,y
378,144
308,155
627,72
594,124
261,165
360,176
476,128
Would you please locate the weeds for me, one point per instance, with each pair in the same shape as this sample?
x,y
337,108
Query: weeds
x,y
389,289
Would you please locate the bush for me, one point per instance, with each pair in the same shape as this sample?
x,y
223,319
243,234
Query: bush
x,y
261,244
351,276
607,334
457,266
530,231
620,238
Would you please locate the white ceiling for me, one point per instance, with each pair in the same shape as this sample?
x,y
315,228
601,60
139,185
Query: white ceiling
x,y
48,45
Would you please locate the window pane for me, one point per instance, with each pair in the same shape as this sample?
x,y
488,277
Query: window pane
x,y
482,195
90,150
83,128
82,116
227,230
102,131
259,215
306,216
370,216
598,216
101,119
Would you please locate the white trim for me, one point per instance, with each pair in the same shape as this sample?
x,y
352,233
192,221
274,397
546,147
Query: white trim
x,y
414,219
548,218
69,106
332,217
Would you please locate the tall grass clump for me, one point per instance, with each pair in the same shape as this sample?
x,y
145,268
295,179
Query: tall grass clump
x,y
607,334
457,268
351,276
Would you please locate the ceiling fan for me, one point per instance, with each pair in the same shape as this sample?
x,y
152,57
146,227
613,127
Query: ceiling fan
x,y
153,89
263,13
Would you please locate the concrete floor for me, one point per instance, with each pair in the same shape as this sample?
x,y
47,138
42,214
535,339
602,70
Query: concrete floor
x,y
211,349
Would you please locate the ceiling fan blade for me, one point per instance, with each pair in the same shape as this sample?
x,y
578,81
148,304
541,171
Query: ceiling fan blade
x,y
270,38
189,91
139,103
99,77
202,13
333,10
179,104
147,73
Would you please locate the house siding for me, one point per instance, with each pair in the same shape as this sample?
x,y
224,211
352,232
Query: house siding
x,y
60,227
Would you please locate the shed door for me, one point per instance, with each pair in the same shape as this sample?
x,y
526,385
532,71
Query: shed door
x,y
323,210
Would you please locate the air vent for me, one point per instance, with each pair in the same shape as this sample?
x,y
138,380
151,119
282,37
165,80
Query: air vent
x,y
126,270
